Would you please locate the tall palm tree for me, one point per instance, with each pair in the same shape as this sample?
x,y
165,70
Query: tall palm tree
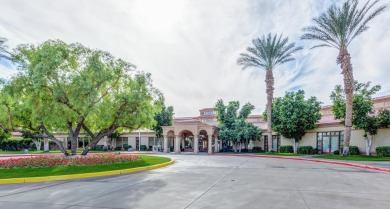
x,y
3,49
267,53
336,28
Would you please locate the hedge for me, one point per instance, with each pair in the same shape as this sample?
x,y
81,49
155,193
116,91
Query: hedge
x,y
286,149
383,151
257,149
305,150
21,144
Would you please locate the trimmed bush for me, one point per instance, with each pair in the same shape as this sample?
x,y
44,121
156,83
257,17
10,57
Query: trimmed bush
x,y
354,150
336,152
257,149
315,151
305,150
383,151
143,148
286,149
17,144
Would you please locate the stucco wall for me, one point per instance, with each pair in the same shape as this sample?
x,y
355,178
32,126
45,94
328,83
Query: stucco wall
x,y
357,139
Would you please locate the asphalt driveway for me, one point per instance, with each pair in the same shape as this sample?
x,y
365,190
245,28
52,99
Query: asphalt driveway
x,y
203,181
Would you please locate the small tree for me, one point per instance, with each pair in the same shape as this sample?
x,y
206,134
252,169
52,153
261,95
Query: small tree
x,y
232,124
363,116
163,118
293,115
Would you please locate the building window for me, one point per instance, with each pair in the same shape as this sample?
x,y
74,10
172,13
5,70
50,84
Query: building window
x,y
151,141
275,143
328,142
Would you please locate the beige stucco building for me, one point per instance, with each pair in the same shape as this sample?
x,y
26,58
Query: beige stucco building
x,y
200,133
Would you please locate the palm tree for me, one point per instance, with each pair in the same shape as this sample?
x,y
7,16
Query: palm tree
x,y
267,53
3,48
336,28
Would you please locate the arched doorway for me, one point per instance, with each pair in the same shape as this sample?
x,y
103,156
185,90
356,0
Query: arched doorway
x,y
171,141
203,141
186,141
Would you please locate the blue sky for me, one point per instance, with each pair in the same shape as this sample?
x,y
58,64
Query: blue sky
x,y
191,46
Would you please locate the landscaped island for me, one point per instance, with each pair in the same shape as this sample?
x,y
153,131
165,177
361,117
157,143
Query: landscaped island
x,y
50,165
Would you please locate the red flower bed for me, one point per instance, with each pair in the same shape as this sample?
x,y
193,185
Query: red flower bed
x,y
52,160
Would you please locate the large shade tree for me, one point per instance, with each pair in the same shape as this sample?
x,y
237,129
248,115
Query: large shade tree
x,y
293,115
68,87
267,53
336,28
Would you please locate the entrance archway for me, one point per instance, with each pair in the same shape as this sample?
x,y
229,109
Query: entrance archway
x,y
186,141
203,141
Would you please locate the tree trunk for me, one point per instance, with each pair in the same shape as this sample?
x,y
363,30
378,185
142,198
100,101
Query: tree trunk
x,y
97,138
53,138
344,59
37,143
269,81
74,135
295,145
10,118
369,145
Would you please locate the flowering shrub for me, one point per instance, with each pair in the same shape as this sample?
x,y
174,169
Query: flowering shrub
x,y
52,160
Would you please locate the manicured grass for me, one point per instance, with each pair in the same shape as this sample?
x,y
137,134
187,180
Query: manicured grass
x,y
353,157
54,152
279,154
66,170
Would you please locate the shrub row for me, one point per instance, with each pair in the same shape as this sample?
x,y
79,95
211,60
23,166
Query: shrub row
x,y
353,150
286,149
383,151
21,144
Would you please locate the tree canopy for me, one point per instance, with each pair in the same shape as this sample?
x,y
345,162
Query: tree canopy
x,y
233,125
68,87
293,115
163,118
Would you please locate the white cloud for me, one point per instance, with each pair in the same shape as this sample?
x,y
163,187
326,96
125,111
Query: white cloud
x,y
191,47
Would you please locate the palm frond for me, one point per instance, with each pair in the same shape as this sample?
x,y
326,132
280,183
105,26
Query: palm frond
x,y
338,26
268,52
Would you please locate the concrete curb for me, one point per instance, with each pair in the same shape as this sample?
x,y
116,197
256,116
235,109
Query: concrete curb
x,y
82,175
368,167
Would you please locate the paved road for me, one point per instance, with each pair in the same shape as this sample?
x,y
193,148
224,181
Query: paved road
x,y
213,182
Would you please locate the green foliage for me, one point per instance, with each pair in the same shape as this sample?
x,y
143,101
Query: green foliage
x,y
286,149
66,87
268,52
233,125
292,115
257,149
305,150
384,118
363,116
17,144
163,118
338,26
143,148
383,151
354,150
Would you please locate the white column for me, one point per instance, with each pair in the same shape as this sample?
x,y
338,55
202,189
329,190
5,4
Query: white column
x,y
196,144
209,145
216,144
166,144
46,145
177,144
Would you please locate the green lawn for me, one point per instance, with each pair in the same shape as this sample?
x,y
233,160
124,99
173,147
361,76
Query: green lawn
x,y
66,170
353,157
53,152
